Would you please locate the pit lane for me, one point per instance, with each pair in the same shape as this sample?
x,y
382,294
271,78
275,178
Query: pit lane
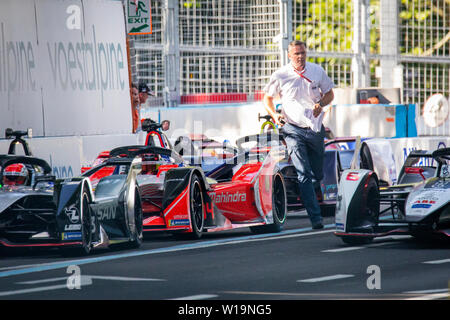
x,y
298,263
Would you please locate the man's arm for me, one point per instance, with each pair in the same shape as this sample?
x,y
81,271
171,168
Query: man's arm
x,y
270,107
326,100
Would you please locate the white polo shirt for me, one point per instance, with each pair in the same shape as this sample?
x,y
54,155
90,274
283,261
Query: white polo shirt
x,y
299,92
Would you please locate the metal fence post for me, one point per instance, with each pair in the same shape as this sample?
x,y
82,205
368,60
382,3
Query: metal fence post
x,y
285,35
361,44
390,71
171,54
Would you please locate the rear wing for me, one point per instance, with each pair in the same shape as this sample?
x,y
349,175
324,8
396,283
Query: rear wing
x,y
134,151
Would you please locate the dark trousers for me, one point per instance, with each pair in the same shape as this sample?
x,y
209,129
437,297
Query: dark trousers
x,y
306,149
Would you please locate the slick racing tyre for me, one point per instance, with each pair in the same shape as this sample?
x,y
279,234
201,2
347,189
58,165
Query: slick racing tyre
x,y
366,158
138,233
279,208
196,207
87,229
370,212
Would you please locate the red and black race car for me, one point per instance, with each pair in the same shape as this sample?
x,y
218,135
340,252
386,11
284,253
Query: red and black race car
x,y
196,149
155,137
247,190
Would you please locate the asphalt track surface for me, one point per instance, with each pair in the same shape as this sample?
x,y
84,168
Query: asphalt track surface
x,y
296,264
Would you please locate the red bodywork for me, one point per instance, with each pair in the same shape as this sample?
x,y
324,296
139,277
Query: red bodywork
x,y
243,201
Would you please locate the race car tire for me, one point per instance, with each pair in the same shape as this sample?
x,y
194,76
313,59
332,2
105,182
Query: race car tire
x,y
87,226
196,207
279,208
366,158
138,233
370,208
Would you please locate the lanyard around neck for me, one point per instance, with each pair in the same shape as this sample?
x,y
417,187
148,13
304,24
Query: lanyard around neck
x,y
300,73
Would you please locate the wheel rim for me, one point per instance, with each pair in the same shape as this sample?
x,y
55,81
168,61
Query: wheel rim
x,y
197,206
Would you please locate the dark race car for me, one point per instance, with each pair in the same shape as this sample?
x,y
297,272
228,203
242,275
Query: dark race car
x,y
37,210
202,151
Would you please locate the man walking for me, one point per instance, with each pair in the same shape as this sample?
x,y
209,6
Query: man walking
x,y
304,89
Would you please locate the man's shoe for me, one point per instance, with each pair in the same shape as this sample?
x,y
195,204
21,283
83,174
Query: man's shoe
x,y
317,226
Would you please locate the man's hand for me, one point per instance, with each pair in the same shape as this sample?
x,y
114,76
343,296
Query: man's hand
x,y
270,108
317,110
278,119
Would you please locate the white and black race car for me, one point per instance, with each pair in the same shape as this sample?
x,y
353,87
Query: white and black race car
x,y
418,205
37,210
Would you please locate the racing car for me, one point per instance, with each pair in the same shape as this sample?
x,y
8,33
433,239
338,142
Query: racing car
x,y
418,205
198,149
37,210
155,137
336,160
248,191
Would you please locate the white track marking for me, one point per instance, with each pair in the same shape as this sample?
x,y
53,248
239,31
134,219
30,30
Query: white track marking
x,y
327,278
197,297
91,277
343,249
433,296
43,280
373,245
437,261
428,291
84,282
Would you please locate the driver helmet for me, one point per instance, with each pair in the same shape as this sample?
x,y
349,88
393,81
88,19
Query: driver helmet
x,y
150,164
15,174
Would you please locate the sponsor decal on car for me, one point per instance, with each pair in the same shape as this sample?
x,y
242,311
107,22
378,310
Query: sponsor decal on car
x,y
73,214
72,227
425,201
179,222
438,184
106,213
353,176
71,235
228,197
421,205
340,226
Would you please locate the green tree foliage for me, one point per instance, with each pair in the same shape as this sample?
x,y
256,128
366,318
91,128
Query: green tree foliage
x,y
326,26
425,27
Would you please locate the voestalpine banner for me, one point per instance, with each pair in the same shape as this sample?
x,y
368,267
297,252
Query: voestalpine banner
x,y
63,67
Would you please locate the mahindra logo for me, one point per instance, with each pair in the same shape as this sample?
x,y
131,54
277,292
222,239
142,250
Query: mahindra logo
x,y
229,197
